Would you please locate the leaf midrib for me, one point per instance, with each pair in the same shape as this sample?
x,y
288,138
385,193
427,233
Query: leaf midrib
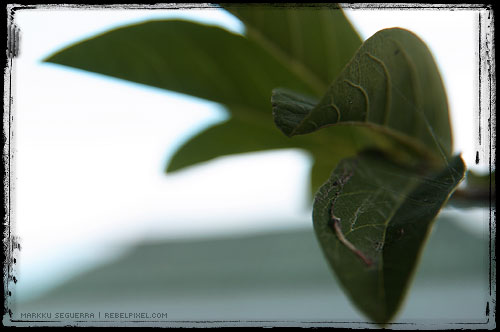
x,y
412,183
297,67
409,141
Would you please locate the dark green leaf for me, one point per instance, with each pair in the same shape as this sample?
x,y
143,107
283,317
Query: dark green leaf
x,y
384,210
392,85
315,41
203,61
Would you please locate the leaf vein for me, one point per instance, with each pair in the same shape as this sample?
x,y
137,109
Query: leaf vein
x,y
365,95
388,87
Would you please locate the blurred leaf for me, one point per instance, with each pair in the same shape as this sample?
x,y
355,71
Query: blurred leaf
x,y
239,72
200,60
234,136
392,85
315,41
479,191
385,211
480,181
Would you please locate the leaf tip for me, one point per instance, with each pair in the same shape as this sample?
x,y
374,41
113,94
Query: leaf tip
x,y
48,58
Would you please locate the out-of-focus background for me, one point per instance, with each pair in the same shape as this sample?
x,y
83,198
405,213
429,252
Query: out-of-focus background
x,y
102,228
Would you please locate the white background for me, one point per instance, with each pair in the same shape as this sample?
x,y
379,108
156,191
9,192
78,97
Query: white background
x,y
90,150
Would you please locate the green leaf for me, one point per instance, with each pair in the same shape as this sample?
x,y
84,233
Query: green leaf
x,y
236,71
392,85
237,135
315,41
384,212
200,60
